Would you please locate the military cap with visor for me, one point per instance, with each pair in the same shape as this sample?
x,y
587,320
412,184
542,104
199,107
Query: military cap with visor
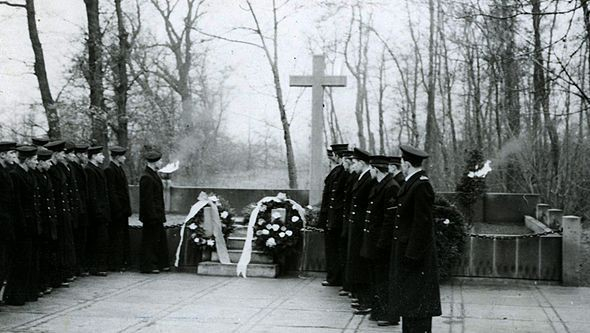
x,y
361,155
153,156
7,146
26,151
413,154
56,146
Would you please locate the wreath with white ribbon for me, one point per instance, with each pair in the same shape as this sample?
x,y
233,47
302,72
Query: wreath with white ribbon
x,y
212,235
275,232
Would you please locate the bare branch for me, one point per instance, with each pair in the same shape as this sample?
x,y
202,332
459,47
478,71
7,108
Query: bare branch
x,y
12,4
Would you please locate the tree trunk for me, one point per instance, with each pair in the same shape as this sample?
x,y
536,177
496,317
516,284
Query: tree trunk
x,y
540,98
51,113
431,125
95,74
121,82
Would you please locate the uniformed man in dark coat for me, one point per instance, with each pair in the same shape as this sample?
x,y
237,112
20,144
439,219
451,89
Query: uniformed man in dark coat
x,y
22,284
120,208
8,208
356,267
58,175
376,247
99,213
330,218
154,244
414,284
77,162
49,265
71,170
350,179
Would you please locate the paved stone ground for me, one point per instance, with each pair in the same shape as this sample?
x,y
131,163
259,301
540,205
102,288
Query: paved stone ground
x,y
183,302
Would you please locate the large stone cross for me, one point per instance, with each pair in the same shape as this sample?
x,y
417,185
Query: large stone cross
x,y
317,82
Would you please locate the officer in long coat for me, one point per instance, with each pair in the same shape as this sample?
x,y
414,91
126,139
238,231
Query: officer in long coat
x,y
78,164
99,213
351,177
154,244
49,265
330,217
357,268
7,207
376,247
120,208
58,176
22,285
414,283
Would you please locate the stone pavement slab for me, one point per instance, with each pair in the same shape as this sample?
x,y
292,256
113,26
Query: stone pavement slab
x,y
185,302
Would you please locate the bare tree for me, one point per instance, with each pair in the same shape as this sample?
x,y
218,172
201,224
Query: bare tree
x,y
268,43
95,74
49,104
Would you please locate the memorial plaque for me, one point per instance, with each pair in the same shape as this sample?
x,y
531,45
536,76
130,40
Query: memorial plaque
x,y
282,212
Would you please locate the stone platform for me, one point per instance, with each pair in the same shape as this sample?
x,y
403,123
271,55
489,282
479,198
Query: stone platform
x,y
183,302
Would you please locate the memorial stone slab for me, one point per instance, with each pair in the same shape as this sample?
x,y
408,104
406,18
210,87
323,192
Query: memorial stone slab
x,y
554,217
541,212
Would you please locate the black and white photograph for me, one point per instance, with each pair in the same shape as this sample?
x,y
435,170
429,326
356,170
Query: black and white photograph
x,y
334,166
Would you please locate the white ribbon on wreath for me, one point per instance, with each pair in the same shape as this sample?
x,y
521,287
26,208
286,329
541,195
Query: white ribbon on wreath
x,y
220,246
242,266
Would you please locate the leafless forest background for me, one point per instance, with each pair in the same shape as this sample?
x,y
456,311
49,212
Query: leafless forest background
x,y
506,77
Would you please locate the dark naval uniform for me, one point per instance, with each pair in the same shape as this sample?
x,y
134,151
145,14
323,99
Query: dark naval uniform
x,y
120,212
49,264
414,292
330,220
350,179
81,230
356,267
154,245
7,216
377,245
99,217
22,284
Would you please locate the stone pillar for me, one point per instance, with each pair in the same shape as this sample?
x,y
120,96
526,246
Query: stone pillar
x,y
541,213
571,247
554,217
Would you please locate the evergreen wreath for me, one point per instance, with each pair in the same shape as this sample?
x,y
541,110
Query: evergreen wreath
x,y
226,217
449,227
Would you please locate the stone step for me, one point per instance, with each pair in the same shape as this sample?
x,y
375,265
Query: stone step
x,y
240,220
257,257
239,230
254,270
236,243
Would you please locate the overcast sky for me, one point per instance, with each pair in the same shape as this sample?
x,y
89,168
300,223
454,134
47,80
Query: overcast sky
x,y
61,24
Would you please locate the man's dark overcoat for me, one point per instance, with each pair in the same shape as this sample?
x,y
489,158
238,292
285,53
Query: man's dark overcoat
x,y
414,274
154,244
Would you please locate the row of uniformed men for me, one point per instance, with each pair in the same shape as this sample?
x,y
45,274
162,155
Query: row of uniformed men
x,y
379,238
61,216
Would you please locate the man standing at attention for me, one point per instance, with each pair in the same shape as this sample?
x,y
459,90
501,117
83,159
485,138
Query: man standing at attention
x,y
154,245
120,208
330,218
99,213
415,293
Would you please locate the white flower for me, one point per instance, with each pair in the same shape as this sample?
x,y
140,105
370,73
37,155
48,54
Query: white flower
x,y
269,226
295,218
282,196
262,208
197,240
276,215
446,221
210,242
289,233
259,232
281,234
276,227
261,221
271,242
224,214
283,228
265,232
192,226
